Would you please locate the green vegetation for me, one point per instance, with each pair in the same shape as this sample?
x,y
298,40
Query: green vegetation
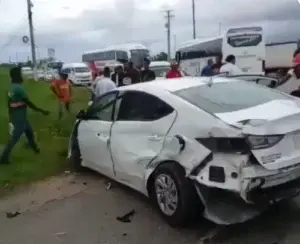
x,y
52,135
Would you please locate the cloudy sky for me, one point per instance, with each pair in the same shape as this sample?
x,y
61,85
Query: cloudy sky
x,y
73,26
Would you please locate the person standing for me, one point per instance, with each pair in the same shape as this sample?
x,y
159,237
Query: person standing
x,y
218,64
131,74
230,66
117,76
208,70
62,89
147,74
105,84
18,102
174,72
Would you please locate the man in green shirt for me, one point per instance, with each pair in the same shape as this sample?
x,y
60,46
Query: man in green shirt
x,y
18,102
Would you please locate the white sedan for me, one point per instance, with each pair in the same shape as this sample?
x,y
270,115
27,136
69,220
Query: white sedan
x,y
221,147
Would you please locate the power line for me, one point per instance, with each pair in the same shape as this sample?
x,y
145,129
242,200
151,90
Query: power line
x,y
13,36
169,16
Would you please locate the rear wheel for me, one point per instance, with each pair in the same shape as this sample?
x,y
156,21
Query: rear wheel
x,y
174,195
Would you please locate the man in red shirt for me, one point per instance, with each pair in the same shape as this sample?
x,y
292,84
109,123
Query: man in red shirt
x,y
62,90
174,72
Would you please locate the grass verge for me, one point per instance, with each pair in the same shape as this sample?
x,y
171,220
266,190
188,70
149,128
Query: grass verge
x,y
52,135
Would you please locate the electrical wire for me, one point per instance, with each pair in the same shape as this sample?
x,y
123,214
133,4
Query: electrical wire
x,y
21,24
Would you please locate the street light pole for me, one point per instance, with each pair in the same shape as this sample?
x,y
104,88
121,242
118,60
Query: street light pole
x,y
194,19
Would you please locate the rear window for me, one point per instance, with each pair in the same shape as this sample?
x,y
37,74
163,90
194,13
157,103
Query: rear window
x,y
229,96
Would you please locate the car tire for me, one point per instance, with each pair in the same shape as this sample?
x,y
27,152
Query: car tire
x,y
75,157
188,203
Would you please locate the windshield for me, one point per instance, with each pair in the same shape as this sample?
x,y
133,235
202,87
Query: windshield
x,y
229,96
160,71
137,56
55,65
81,70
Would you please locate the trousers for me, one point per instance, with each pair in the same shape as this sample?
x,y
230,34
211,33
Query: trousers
x,y
19,129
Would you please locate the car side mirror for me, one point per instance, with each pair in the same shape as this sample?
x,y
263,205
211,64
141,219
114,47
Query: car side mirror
x,y
81,115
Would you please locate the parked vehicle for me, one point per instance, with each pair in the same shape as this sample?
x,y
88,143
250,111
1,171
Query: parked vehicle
x,y
27,72
224,147
160,68
254,56
78,73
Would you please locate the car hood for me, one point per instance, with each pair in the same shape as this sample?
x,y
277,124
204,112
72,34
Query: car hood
x,y
275,117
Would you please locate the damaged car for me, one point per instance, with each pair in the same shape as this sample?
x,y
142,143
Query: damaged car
x,y
220,147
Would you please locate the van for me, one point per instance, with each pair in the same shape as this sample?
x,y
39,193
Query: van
x,y
160,68
78,73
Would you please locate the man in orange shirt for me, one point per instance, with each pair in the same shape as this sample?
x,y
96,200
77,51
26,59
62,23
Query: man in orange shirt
x,y
63,91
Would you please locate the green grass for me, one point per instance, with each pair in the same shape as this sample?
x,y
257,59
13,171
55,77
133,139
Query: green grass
x,y
51,135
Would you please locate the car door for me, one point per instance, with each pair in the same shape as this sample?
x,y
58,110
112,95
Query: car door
x,y
138,134
94,135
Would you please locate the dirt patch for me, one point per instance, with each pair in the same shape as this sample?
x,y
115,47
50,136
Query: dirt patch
x,y
55,188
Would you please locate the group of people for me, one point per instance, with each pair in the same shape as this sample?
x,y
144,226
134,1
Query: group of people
x,y
218,67
105,81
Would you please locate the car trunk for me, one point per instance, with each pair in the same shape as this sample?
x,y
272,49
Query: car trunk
x,y
278,117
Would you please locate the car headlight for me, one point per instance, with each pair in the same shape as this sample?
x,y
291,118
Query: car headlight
x,y
261,142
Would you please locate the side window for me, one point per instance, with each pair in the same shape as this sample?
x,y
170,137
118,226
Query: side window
x,y
67,71
103,108
140,106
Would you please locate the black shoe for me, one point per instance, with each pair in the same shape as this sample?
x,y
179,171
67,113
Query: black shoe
x,y
37,150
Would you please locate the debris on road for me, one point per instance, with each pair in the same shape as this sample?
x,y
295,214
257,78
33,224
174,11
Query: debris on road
x,y
60,234
127,217
10,215
108,186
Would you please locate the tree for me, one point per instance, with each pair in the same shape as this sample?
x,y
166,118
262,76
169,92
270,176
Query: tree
x,y
162,56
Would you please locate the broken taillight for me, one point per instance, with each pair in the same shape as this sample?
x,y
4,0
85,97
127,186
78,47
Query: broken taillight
x,y
225,144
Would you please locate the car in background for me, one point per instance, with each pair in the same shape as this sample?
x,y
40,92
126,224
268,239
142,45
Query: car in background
x,y
160,68
27,72
217,147
78,73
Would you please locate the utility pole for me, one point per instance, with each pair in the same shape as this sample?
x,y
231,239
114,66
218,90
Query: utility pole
x,y
168,26
32,42
194,19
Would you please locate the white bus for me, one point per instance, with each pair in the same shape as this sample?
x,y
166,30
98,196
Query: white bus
x,y
249,47
193,55
247,44
116,55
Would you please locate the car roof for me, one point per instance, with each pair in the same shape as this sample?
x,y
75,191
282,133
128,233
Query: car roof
x,y
74,65
176,84
159,63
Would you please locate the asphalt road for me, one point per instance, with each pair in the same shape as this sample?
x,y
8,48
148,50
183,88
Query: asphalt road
x,y
88,216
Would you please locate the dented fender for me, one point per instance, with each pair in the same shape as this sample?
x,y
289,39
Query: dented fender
x,y
187,152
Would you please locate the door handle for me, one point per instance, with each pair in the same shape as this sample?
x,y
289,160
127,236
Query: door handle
x,y
103,136
154,138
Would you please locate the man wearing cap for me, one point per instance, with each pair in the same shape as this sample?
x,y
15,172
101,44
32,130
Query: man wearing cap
x,y
147,74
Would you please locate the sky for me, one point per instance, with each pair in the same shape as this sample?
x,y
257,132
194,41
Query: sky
x,y
72,26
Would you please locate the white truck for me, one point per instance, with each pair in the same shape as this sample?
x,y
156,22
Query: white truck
x,y
279,56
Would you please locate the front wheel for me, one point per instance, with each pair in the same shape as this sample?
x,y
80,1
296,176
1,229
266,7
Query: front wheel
x,y
75,156
174,195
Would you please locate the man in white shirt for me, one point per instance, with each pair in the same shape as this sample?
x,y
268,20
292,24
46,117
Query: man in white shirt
x,y
104,84
229,67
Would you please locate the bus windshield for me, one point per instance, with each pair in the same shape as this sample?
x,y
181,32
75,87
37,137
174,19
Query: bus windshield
x,y
137,56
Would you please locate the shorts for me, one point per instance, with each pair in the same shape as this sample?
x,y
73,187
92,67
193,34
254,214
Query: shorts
x,y
63,108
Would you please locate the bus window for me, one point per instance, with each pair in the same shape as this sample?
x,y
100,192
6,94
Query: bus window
x,y
247,40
